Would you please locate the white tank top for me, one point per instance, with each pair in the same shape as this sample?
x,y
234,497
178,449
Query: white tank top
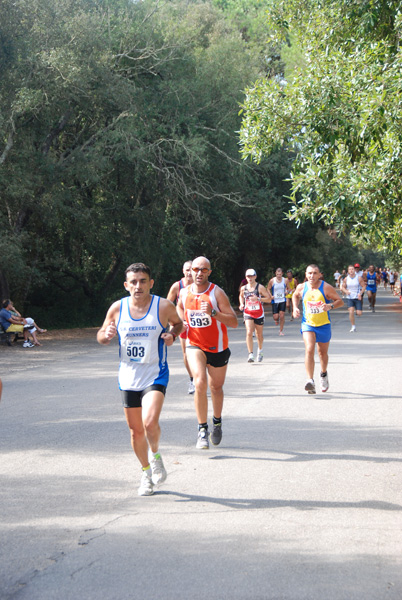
x,y
353,285
279,291
142,351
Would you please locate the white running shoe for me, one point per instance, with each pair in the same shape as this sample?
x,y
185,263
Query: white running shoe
x,y
310,386
191,387
159,473
250,357
202,439
324,382
260,356
353,330
146,486
28,344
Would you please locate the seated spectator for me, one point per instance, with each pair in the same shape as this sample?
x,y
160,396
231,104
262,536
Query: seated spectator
x,y
12,322
28,320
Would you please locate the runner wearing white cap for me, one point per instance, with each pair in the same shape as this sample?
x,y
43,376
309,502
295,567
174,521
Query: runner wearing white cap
x,y
251,297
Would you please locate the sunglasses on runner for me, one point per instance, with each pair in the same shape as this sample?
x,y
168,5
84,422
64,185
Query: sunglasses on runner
x,y
203,270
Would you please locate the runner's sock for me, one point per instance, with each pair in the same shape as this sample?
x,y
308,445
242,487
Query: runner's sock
x,y
217,421
202,426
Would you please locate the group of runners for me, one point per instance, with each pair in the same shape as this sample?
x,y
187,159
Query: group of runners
x,y
147,324
356,281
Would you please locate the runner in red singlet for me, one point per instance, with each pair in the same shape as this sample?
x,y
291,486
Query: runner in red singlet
x,y
251,297
207,311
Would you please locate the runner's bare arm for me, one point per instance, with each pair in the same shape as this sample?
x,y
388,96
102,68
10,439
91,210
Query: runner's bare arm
x,y
180,307
297,296
331,293
168,315
241,298
225,313
108,330
265,294
174,292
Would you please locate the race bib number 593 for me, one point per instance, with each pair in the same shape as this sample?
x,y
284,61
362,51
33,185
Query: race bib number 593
x,y
198,319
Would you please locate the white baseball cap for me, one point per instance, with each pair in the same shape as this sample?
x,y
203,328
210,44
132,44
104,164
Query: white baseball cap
x,y
250,272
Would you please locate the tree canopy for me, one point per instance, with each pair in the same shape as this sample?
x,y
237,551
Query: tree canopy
x,y
337,110
118,143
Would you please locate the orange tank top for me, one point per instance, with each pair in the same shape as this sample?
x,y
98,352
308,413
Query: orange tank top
x,y
204,331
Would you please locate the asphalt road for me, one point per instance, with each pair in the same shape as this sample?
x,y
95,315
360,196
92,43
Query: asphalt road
x,y
301,501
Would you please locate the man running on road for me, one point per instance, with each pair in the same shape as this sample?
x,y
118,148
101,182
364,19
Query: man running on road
x,y
353,287
206,309
251,297
278,288
141,321
372,280
292,284
173,296
318,299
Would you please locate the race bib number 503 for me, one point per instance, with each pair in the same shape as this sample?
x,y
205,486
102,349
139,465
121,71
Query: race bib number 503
x,y
198,319
136,351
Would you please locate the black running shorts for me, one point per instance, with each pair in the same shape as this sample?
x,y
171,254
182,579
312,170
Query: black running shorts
x,y
132,399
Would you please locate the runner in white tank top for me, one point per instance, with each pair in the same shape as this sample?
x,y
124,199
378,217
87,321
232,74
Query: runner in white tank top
x,y
278,287
142,321
143,354
353,286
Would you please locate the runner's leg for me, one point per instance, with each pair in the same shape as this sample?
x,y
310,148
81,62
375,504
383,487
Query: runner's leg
x,y
309,344
152,403
198,365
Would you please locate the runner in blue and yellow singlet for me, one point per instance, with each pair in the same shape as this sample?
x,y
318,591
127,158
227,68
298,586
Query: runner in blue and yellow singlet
x,y
318,299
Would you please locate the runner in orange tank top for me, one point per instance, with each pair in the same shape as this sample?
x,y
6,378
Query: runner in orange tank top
x,y
206,309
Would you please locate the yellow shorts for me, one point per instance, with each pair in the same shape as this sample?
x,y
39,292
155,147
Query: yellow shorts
x,y
15,328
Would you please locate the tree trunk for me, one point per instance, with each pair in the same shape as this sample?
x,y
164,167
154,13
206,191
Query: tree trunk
x,y
4,287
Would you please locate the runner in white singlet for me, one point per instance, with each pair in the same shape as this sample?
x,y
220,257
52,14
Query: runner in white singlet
x,y
141,322
353,287
278,288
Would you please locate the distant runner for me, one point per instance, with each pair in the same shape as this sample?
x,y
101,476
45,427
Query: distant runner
x,y
318,298
251,297
292,284
353,287
173,296
278,288
372,280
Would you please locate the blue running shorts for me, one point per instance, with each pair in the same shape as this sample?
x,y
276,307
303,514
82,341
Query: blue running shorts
x,y
322,334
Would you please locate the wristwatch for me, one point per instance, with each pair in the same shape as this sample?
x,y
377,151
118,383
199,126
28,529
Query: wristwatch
x,y
213,312
332,305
